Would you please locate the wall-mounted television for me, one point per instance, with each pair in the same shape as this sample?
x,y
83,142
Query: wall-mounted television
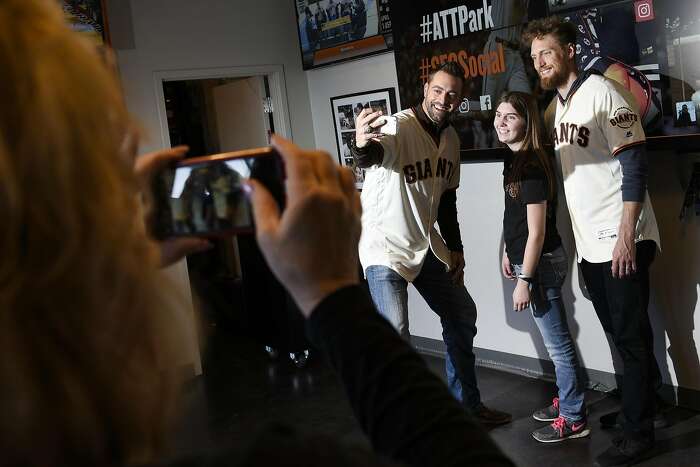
x,y
89,18
651,46
331,31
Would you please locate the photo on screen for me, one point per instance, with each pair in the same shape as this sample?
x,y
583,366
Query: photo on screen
x,y
334,30
88,18
208,197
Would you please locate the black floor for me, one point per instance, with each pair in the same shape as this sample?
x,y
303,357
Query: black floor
x,y
243,389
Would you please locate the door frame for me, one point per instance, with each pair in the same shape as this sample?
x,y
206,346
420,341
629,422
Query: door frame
x,y
275,76
280,115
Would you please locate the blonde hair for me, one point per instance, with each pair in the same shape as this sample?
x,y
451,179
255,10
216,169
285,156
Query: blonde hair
x,y
85,322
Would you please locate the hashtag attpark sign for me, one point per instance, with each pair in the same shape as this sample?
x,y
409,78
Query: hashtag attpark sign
x,y
484,38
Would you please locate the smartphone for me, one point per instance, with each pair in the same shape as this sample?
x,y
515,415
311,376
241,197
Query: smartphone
x,y
389,125
205,196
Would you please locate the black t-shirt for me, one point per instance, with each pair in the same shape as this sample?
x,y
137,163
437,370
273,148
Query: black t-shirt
x,y
533,189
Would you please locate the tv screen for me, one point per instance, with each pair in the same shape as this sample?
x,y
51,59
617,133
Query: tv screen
x,y
87,17
652,47
334,30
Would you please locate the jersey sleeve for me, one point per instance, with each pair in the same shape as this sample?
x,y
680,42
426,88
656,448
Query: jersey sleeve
x,y
621,122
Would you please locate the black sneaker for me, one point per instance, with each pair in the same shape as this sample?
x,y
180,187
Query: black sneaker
x,y
625,452
490,417
548,414
616,419
560,430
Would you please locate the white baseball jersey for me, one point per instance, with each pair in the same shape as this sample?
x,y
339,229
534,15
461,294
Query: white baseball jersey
x,y
400,197
597,121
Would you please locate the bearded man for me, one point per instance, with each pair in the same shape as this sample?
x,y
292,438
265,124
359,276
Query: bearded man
x,y
601,148
412,162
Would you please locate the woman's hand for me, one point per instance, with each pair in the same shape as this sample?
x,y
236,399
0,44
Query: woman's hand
x,y
146,167
312,245
506,267
521,296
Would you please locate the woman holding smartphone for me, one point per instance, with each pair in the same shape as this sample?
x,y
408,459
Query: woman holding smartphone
x,y
535,259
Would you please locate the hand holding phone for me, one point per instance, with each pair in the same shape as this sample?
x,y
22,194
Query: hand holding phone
x,y
146,167
372,125
388,123
312,246
206,196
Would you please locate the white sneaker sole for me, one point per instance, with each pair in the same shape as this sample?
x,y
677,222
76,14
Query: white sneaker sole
x,y
582,434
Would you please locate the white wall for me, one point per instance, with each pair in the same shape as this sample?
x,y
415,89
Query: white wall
x,y
480,212
160,35
368,74
185,34
675,275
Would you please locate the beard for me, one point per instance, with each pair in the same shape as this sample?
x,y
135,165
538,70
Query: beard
x,y
437,117
558,78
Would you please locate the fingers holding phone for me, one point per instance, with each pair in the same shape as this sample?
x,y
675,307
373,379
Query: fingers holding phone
x,y
174,249
372,125
149,164
147,167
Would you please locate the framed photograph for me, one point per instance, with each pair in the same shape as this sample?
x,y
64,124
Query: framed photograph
x,y
345,109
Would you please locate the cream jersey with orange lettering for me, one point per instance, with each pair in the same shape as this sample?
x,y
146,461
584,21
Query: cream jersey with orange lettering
x,y
400,197
597,121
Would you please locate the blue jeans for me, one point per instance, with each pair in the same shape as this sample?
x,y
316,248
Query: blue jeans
x,y
450,301
550,317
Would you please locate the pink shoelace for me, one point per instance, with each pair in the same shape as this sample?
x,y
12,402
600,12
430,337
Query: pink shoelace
x,y
555,402
559,425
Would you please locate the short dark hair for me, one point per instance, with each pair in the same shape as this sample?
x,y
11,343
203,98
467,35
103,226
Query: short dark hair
x,y
564,32
451,68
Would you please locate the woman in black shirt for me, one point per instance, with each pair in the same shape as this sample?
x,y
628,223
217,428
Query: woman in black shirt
x,y
535,259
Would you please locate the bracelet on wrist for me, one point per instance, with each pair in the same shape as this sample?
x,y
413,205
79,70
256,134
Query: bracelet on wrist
x,y
525,278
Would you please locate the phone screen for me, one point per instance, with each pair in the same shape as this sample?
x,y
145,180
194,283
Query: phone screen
x,y
389,126
205,196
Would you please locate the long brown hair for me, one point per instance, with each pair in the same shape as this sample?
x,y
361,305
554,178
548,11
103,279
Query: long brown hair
x,y
86,324
532,152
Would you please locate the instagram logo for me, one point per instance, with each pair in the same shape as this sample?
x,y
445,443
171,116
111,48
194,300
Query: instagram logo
x,y
643,10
